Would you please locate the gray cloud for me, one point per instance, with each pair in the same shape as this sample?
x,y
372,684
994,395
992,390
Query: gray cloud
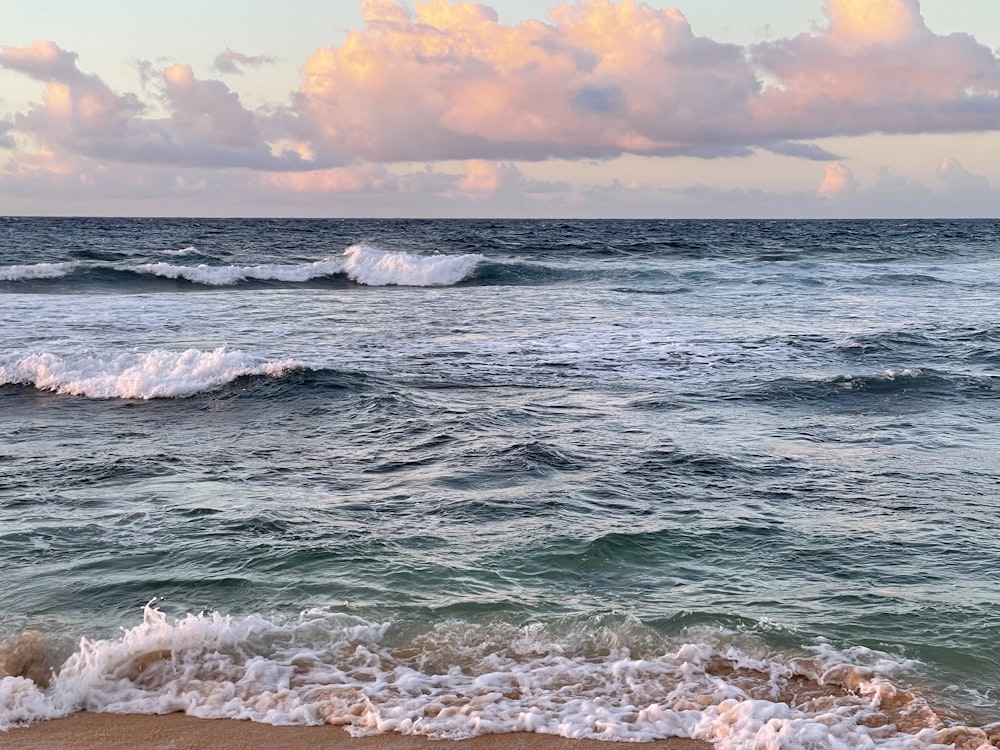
x,y
232,62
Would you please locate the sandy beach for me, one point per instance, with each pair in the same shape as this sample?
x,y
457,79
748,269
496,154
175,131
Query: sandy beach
x,y
86,731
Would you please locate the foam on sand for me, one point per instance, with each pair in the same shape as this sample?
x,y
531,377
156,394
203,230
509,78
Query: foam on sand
x,y
85,731
458,680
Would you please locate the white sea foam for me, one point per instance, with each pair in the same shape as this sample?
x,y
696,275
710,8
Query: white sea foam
x,y
363,264
35,271
189,250
459,680
229,275
374,267
158,373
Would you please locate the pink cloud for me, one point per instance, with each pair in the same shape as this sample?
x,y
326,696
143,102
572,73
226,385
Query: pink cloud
x,y
360,178
604,78
44,60
838,181
447,80
450,81
207,125
76,106
483,177
876,67
208,110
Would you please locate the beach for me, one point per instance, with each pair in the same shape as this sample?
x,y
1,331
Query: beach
x,y
86,731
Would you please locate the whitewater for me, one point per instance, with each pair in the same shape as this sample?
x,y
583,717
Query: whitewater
x,y
731,481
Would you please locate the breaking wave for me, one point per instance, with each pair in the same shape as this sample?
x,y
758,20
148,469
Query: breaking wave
x,y
35,271
603,677
362,264
159,373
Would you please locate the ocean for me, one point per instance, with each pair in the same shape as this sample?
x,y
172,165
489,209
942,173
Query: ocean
x,y
737,481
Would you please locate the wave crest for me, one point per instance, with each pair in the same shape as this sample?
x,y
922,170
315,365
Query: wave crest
x,y
228,275
159,373
374,267
35,271
363,264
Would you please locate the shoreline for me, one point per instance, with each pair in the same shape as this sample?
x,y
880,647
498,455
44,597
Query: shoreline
x,y
89,731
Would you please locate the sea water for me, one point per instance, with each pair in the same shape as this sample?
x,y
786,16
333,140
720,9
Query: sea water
x,y
737,481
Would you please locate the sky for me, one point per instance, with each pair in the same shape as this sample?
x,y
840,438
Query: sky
x,y
511,108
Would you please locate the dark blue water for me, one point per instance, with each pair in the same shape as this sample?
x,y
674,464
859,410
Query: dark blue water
x,y
751,464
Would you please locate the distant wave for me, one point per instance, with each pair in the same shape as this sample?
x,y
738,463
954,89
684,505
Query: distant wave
x,y
158,373
229,275
910,382
362,264
35,271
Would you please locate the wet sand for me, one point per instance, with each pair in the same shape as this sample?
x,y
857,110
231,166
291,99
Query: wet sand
x,y
86,731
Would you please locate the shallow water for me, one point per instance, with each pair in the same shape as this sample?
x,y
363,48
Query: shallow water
x,y
706,458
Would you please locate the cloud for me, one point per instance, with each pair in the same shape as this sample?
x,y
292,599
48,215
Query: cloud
x,y
446,80
876,67
207,125
449,81
75,106
602,78
958,193
957,178
838,181
44,61
6,141
861,22
232,62
207,111
489,178
361,178
799,150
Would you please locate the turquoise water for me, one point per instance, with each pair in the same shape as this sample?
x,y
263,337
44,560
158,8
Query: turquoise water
x,y
742,463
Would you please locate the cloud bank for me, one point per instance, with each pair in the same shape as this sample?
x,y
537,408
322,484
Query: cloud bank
x,y
447,81
597,79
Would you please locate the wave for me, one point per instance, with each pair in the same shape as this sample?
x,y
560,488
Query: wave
x,y
361,264
35,271
207,275
373,267
604,677
159,373
974,345
908,382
